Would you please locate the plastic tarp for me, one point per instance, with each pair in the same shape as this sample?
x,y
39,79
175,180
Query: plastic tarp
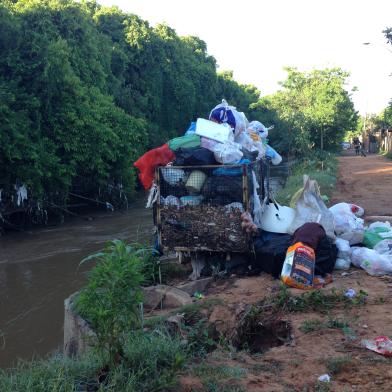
x,y
187,141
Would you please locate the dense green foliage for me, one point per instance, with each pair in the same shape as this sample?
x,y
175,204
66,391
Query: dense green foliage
x,y
312,111
85,90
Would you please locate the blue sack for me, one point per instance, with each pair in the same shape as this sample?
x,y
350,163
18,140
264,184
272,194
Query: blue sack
x,y
231,171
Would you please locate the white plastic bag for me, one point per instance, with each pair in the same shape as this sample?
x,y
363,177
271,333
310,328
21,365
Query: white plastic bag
x,y
257,207
371,261
228,152
347,208
342,264
171,201
349,227
343,260
384,247
173,175
261,148
375,225
311,208
344,249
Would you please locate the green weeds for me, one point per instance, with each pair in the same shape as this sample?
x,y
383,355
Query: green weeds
x,y
150,362
322,168
338,364
308,326
216,377
315,300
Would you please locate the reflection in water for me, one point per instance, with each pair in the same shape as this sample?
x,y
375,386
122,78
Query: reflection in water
x,y
39,269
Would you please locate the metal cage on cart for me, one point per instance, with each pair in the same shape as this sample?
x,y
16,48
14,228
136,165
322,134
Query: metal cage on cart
x,y
199,207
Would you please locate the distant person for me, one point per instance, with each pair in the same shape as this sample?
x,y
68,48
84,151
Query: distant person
x,y
357,145
361,149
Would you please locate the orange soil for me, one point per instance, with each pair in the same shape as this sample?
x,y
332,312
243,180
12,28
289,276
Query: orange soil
x,y
297,365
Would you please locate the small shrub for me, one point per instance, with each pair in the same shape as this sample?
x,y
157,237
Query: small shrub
x,y
111,298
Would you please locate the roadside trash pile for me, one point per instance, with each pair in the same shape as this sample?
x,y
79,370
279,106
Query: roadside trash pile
x,y
304,243
299,244
202,181
210,193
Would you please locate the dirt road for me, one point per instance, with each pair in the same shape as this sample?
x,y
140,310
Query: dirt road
x,y
366,181
324,340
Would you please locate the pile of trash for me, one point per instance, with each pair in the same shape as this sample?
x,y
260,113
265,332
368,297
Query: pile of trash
x,y
309,240
202,181
227,137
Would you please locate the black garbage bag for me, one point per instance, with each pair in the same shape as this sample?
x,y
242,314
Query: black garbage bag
x,y
221,190
194,157
177,190
326,254
270,254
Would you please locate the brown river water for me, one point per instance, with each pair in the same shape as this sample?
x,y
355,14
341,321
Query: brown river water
x,y
40,268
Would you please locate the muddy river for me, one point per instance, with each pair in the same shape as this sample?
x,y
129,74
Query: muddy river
x,y
39,269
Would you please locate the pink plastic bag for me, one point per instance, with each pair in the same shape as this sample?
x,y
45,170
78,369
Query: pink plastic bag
x,y
381,345
209,144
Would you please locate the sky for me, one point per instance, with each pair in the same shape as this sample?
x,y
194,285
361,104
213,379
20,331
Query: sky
x,y
257,38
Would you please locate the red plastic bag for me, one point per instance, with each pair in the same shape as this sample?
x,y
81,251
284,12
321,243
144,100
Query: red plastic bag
x,y
381,345
148,162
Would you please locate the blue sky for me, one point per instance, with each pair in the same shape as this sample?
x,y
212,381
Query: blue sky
x,y
257,38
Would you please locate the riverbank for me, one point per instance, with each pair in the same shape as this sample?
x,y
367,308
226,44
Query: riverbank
x,y
252,334
40,268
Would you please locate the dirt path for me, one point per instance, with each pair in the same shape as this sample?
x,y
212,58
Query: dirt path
x,y
366,181
326,340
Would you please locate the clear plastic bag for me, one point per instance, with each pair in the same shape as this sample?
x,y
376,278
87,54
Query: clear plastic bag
x,y
349,227
342,264
344,249
275,157
344,254
245,141
384,247
171,201
258,127
173,175
371,261
311,208
228,152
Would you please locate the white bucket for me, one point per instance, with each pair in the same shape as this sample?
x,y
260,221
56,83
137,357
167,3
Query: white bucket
x,y
277,220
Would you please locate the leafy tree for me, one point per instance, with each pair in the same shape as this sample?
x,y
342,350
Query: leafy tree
x,y
313,110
